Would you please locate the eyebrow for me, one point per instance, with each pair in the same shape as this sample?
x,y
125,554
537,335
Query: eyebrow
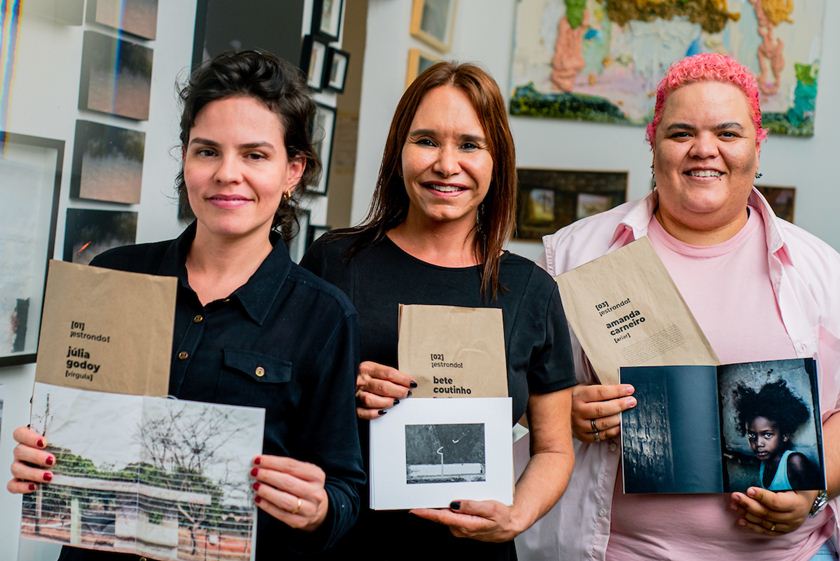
x,y
721,126
247,145
463,137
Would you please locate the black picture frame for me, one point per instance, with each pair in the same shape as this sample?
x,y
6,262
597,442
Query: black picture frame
x,y
323,133
107,163
30,175
327,18
313,61
335,70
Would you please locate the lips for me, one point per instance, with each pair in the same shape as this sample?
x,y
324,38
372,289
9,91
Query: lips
x,y
228,201
703,173
445,189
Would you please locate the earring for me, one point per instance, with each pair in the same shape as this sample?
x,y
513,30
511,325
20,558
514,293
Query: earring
x,y
758,175
652,177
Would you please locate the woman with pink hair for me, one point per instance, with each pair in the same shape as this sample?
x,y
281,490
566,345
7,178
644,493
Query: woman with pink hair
x,y
760,288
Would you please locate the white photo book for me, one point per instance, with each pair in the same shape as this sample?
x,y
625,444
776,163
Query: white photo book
x,y
429,452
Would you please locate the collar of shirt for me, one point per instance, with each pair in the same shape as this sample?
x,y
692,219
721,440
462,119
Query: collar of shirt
x,y
257,295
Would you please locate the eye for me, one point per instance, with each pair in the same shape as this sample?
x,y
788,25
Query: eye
x,y
425,141
679,135
255,156
470,147
729,134
768,435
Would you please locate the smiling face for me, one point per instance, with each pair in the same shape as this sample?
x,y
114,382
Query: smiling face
x,y
446,164
236,169
705,159
765,439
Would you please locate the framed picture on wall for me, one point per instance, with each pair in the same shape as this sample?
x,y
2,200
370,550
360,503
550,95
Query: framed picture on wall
x,y
298,244
87,232
335,71
326,18
323,132
116,77
418,61
313,60
549,199
137,17
432,22
781,199
314,232
107,163
30,180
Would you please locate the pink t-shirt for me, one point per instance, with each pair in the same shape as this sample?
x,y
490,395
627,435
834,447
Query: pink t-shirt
x,y
727,287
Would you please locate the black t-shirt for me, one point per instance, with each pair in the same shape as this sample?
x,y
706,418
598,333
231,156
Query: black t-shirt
x,y
381,276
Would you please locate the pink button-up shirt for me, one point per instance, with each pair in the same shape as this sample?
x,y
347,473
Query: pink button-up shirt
x,y
805,276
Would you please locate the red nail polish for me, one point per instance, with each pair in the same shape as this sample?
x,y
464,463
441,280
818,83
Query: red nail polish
x,y
47,476
257,499
257,461
31,486
49,461
254,472
256,486
40,443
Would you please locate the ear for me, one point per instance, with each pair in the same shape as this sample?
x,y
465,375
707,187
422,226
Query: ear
x,y
294,171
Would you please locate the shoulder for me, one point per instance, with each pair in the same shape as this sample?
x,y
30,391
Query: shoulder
x,y
327,251
797,460
139,258
816,263
526,281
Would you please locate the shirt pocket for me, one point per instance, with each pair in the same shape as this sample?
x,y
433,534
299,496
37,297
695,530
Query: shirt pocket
x,y
255,379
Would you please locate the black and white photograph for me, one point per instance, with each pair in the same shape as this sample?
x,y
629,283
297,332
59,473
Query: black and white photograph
x,y
87,232
107,163
707,429
116,77
30,179
326,18
434,451
135,17
444,453
335,72
313,60
432,22
323,133
163,478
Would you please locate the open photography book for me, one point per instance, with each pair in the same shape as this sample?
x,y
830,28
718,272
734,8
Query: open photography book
x,y
717,429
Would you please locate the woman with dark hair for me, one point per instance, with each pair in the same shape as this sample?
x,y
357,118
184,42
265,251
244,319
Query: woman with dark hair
x,y
768,418
443,208
251,327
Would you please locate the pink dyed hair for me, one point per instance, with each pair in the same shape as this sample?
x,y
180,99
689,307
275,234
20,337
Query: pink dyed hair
x,y
708,67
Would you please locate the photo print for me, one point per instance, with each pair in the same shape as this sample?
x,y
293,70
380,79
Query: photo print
x,y
323,133
88,233
313,59
326,18
446,453
107,163
166,479
137,17
116,77
432,22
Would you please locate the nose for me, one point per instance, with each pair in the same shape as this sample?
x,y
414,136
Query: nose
x,y
704,145
228,170
448,161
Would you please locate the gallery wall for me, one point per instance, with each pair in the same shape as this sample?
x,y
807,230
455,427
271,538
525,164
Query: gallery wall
x,y
484,33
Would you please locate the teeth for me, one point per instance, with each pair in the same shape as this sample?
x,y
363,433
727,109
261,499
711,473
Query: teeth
x,y
705,173
445,188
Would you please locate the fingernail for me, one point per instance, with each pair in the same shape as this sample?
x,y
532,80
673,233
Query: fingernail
x,y
254,472
413,384
47,476
751,492
382,412
396,402
455,505
49,461
256,486
628,389
257,461
257,499
31,486
40,443
409,393
630,401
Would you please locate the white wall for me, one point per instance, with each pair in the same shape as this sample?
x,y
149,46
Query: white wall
x,y
484,34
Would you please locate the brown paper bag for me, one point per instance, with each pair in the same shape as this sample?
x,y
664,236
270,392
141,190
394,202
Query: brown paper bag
x,y
106,330
453,351
625,310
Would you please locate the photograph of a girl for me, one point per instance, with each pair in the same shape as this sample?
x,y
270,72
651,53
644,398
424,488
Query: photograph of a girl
x,y
769,418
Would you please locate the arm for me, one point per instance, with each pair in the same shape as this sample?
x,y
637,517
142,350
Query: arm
x,y
541,485
802,473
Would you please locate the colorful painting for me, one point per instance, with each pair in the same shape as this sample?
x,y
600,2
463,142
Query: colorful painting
x,y
601,60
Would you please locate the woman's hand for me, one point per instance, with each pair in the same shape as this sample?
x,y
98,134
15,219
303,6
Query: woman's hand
x,y
380,387
595,411
772,513
291,491
487,521
29,459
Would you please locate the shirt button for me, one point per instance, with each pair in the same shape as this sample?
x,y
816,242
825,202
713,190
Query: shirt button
x,y
226,300
613,447
183,355
198,318
602,512
260,371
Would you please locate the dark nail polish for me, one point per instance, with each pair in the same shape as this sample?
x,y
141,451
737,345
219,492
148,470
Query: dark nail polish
x,y
40,443
254,472
455,505
409,393
382,412
257,461
47,476
413,384
49,461
31,486
257,499
256,486
396,402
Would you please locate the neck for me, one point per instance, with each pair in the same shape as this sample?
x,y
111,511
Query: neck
x,y
704,234
447,244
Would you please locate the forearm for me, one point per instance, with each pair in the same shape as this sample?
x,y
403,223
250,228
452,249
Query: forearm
x,y
541,485
831,449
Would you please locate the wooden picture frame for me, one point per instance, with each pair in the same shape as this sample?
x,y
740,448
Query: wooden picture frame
x,y
323,133
433,21
326,18
418,61
313,61
30,178
335,70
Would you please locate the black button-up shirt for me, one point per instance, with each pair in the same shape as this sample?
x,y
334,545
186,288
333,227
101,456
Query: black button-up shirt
x,y
285,341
